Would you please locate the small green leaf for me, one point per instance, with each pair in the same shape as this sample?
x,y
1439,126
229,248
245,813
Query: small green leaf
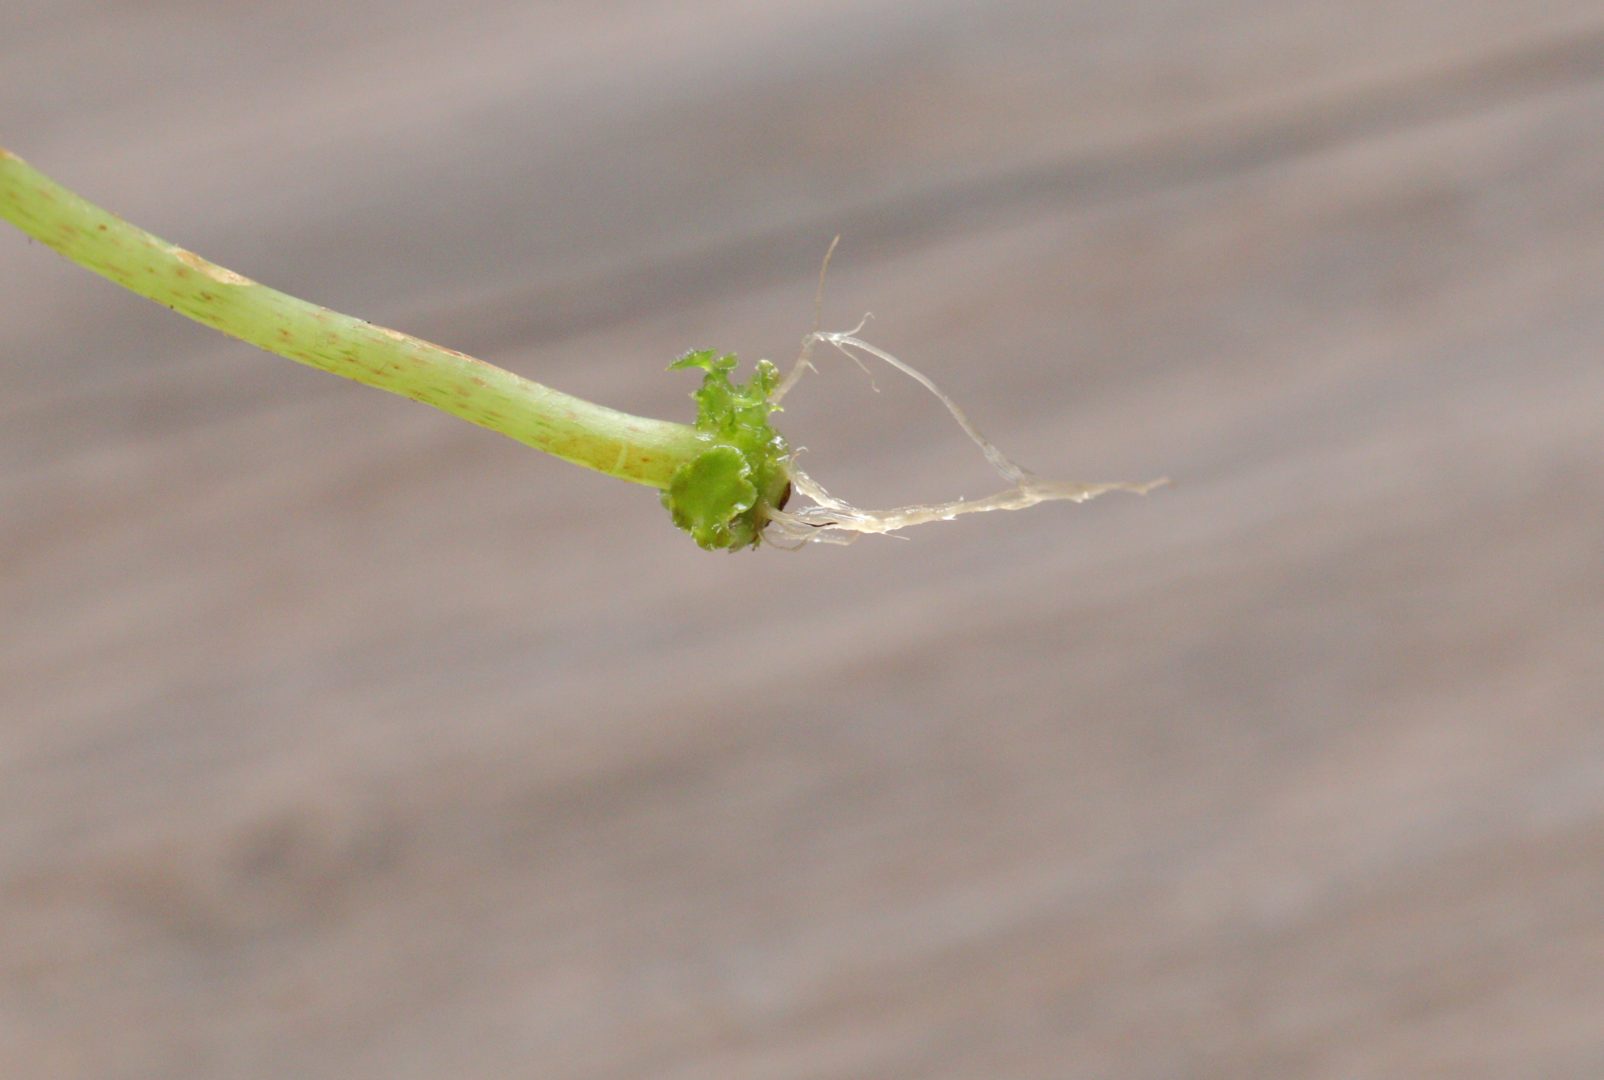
x,y
708,495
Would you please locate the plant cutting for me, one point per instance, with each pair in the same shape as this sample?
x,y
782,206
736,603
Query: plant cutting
x,y
726,478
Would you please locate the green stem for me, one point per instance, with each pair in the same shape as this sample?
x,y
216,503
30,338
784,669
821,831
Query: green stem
x,y
629,447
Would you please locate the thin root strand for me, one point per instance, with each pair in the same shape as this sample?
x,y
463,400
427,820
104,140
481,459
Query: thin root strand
x,y
836,521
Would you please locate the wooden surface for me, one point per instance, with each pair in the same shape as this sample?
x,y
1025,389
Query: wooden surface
x,y
344,740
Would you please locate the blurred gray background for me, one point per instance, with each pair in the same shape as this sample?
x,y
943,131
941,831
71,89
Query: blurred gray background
x,y
340,739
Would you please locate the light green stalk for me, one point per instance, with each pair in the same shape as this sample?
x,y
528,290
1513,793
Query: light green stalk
x,y
658,453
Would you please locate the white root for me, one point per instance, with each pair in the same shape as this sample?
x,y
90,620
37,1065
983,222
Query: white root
x,y
835,521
